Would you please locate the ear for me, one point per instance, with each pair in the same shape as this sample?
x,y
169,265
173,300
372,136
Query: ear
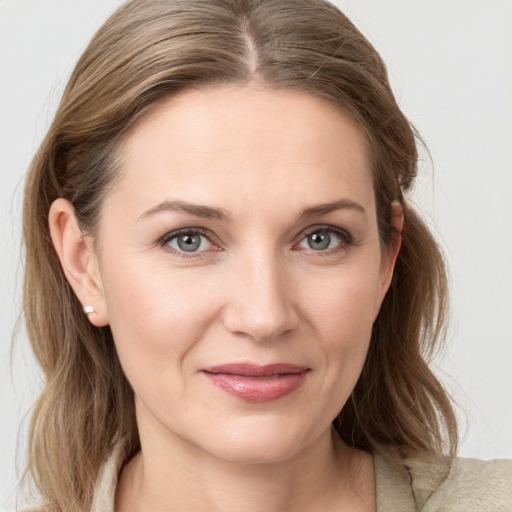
x,y
78,259
390,253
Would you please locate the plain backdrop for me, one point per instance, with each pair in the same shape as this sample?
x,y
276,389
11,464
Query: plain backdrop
x,y
450,63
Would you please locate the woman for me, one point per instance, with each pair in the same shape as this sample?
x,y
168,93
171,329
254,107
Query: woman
x,y
228,294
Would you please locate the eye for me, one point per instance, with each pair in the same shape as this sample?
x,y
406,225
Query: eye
x,y
325,238
187,241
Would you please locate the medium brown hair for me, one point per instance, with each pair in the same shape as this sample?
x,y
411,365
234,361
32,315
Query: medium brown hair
x,y
147,51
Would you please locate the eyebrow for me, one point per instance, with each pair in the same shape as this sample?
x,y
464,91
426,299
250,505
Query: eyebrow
x,y
340,204
208,212
205,212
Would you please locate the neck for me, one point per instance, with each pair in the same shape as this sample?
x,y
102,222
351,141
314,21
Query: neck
x,y
327,475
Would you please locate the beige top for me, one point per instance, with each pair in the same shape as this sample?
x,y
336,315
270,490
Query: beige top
x,y
418,484
442,484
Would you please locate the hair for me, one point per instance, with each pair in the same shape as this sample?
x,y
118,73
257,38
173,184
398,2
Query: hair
x,y
147,51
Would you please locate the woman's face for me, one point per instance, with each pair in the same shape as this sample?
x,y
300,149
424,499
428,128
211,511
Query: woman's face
x,y
241,269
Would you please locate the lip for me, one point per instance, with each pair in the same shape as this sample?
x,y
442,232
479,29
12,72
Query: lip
x,y
257,383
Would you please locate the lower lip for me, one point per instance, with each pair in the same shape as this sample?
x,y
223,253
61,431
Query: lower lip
x,y
257,389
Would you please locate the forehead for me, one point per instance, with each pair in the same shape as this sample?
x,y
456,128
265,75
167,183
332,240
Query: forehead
x,y
248,142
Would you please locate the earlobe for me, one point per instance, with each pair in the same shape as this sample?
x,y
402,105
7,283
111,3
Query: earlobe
x,y
78,260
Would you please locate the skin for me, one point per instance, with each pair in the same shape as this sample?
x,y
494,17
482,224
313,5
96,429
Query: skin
x,y
255,291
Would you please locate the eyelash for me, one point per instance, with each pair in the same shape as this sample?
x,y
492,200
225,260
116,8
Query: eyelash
x,y
346,238
185,231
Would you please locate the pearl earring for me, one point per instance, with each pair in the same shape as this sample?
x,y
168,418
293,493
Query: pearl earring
x,y
88,309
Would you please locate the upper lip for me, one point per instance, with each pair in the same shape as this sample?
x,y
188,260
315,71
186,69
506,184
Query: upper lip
x,y
256,370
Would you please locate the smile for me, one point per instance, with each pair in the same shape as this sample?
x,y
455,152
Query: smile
x,y
255,383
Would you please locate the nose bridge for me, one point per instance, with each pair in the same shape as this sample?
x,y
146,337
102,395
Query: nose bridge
x,y
261,297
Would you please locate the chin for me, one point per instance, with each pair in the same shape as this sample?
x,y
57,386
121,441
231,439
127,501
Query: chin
x,y
261,445
255,453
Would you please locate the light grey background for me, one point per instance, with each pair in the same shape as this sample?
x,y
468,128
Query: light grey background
x,y
450,65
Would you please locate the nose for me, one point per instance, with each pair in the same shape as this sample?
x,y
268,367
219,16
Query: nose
x,y
261,300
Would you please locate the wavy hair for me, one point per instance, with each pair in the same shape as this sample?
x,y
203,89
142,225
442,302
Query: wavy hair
x,y
147,51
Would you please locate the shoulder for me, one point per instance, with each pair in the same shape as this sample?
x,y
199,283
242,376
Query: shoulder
x,y
106,482
459,484
435,483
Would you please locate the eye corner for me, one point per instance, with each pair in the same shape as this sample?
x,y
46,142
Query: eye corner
x,y
198,240
326,234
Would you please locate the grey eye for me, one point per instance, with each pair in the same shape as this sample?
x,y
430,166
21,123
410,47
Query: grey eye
x,y
189,242
321,239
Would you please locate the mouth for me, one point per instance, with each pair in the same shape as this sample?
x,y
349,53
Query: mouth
x,y
257,383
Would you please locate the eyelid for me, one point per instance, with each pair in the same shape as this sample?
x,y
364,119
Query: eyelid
x,y
346,237
326,227
343,234
164,240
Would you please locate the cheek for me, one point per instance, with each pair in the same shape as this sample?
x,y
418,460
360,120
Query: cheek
x,y
342,318
344,302
156,316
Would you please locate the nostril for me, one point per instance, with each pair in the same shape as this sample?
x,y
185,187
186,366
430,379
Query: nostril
x,y
270,335
241,321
